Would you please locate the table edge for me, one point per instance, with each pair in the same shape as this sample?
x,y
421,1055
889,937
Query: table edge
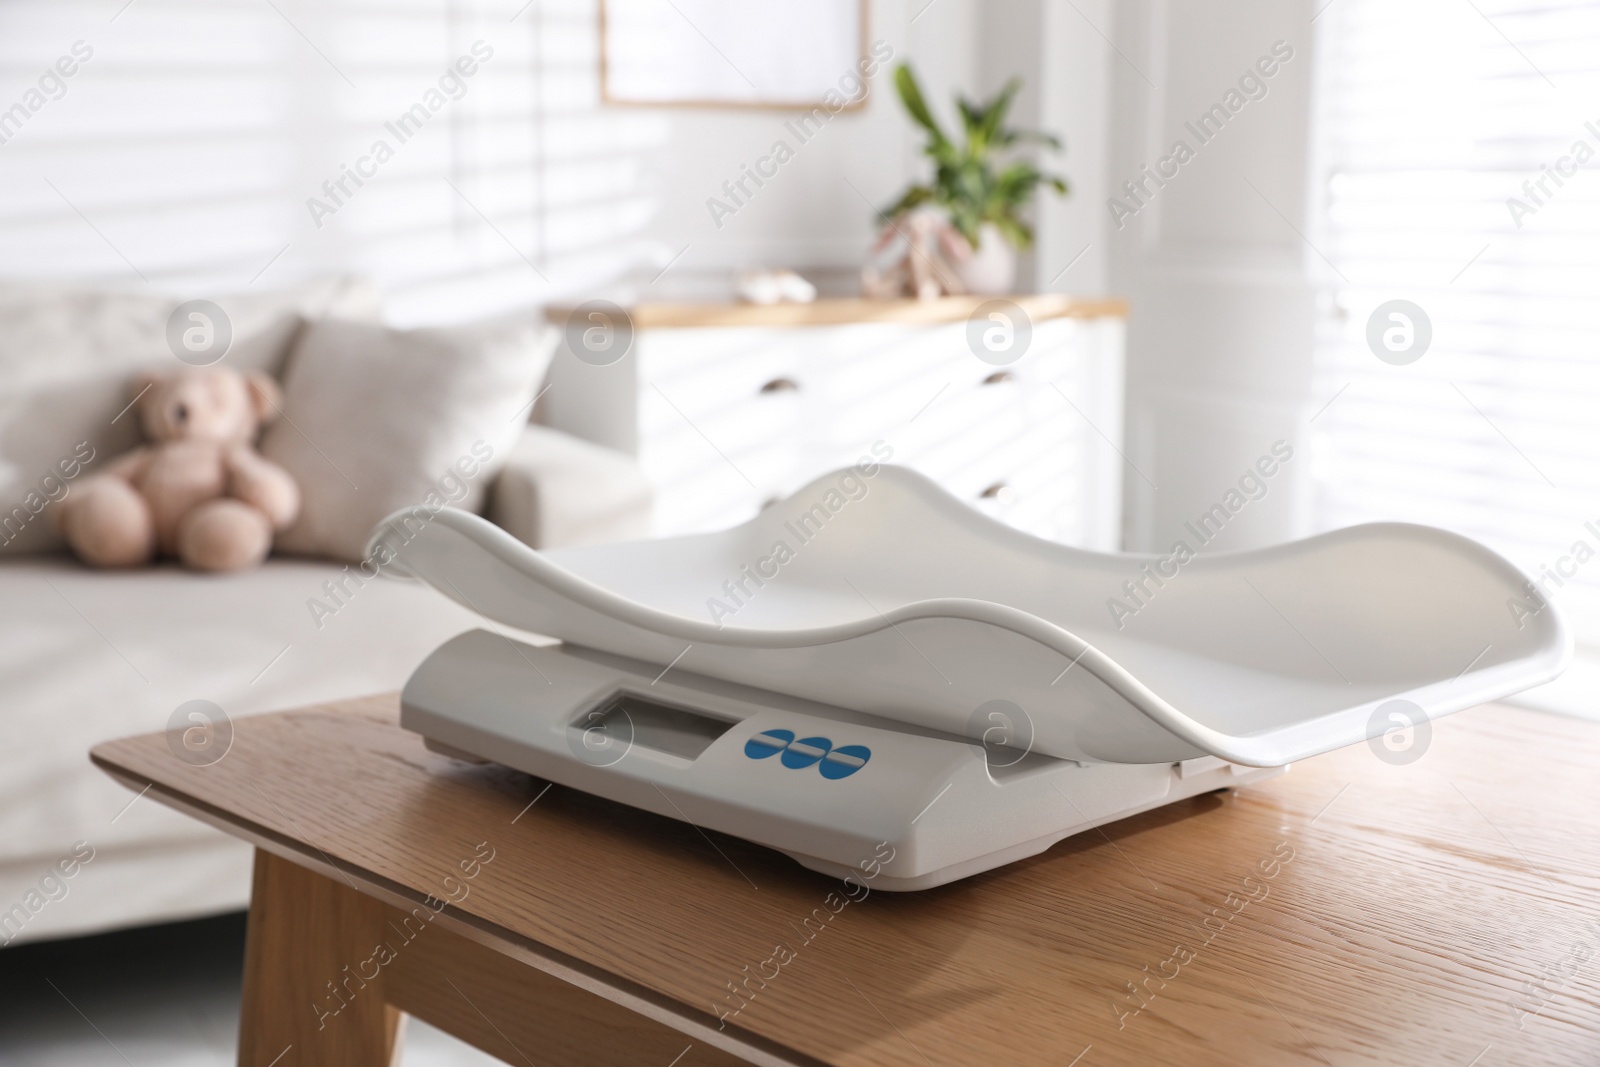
x,y
621,991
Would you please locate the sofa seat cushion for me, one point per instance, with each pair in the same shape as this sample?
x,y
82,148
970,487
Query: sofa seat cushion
x,y
88,656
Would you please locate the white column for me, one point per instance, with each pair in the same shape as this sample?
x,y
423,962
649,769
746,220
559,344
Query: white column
x,y
1212,258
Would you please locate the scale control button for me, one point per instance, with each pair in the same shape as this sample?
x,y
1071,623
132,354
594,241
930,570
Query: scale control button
x,y
833,763
768,743
805,752
845,760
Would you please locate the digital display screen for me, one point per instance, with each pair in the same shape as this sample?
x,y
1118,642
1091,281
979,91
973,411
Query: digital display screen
x,y
626,719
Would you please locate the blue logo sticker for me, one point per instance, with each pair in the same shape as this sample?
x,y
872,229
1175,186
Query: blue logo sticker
x,y
833,763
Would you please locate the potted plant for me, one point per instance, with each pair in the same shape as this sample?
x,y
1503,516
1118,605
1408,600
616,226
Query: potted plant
x,y
962,230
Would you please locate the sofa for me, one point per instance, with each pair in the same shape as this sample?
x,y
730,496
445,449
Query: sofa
x,y
89,655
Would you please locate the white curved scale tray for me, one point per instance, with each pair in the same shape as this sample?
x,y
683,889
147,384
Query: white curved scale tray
x,y
891,597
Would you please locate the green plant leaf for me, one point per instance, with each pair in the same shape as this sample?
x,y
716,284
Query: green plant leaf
x,y
972,124
1049,140
1017,176
995,113
915,196
905,83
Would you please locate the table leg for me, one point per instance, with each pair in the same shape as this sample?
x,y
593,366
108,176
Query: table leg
x,y
331,973
306,1001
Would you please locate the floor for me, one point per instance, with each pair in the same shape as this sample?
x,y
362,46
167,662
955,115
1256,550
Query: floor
x,y
164,995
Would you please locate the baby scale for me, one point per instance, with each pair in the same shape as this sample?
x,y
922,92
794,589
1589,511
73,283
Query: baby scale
x,y
872,663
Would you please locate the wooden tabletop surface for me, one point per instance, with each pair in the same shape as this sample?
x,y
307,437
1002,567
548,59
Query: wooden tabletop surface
x,y
1350,912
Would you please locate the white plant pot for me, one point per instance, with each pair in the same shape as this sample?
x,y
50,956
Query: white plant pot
x,y
992,267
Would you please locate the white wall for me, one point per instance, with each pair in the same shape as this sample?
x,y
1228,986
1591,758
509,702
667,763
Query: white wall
x,y
817,215
183,154
1057,48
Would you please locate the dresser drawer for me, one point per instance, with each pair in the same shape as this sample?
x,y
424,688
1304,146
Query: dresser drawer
x,y
703,375
720,422
732,417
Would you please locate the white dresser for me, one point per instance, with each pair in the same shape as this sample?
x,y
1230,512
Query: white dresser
x,y
733,406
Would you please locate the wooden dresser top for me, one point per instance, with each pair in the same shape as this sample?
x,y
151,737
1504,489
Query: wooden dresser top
x,y
837,312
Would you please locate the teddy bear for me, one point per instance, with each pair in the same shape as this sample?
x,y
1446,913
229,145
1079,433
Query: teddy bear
x,y
199,491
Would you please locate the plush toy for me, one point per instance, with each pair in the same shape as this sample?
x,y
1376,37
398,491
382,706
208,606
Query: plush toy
x,y
199,491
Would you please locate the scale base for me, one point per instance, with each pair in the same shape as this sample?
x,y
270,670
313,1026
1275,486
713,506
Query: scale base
x,y
854,796
1239,776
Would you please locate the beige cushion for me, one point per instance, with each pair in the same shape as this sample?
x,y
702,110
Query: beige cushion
x,y
68,356
376,419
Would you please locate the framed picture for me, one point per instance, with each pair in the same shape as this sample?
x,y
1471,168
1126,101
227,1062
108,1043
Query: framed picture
x,y
732,53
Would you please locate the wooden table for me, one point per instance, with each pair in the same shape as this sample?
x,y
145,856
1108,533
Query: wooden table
x,y
1349,912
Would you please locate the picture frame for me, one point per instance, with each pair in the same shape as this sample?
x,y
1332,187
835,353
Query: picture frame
x,y
776,55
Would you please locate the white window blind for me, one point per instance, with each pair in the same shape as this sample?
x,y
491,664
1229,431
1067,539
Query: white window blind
x,y
185,149
1433,115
